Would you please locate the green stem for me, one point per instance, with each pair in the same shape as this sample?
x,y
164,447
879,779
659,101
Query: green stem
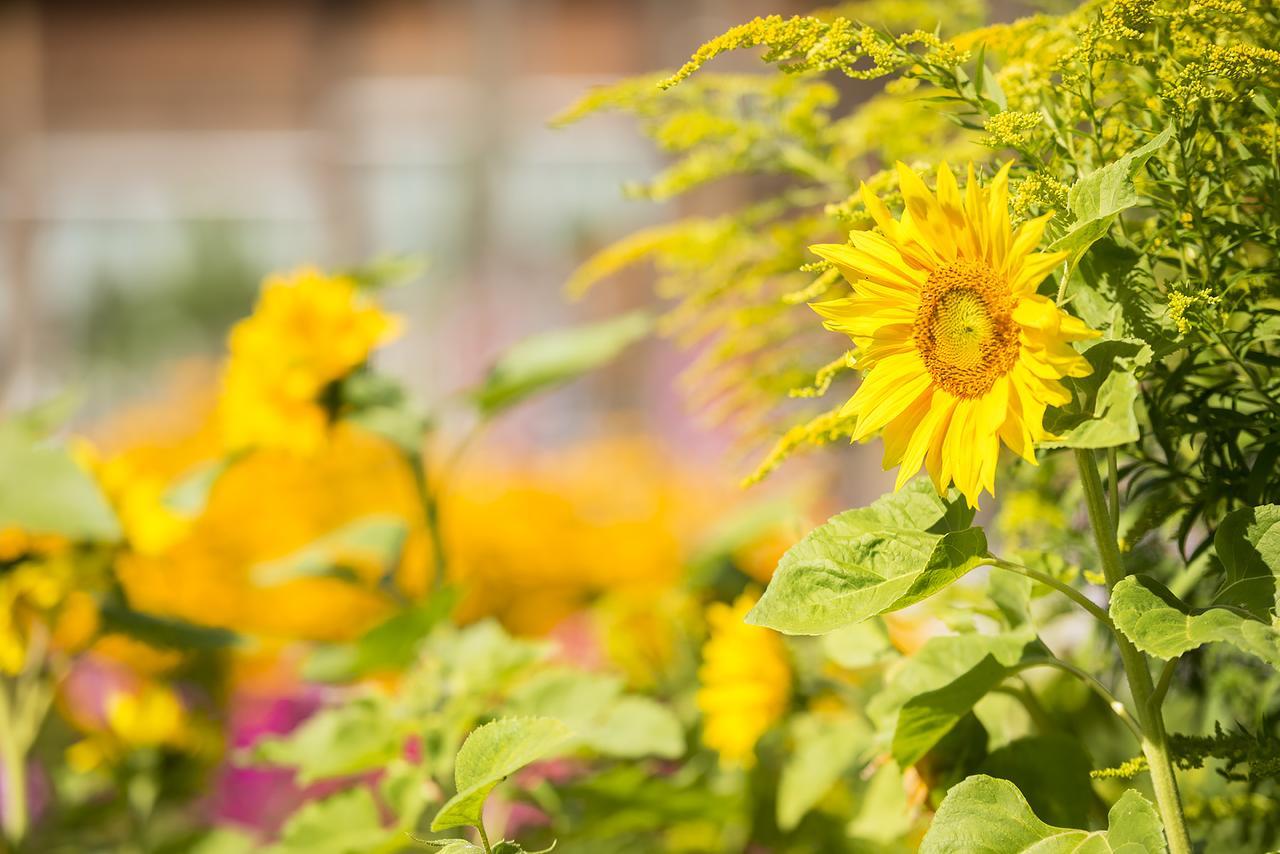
x,y
1113,491
13,756
1065,589
431,516
1113,703
484,838
1154,741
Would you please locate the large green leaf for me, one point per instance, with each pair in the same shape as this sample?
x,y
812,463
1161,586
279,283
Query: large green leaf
x,y
984,814
551,358
1099,197
1160,624
825,747
348,739
1053,770
903,548
488,756
43,490
942,682
1248,544
1102,414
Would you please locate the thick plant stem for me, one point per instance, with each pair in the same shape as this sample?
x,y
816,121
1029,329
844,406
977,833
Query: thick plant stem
x,y
13,765
1155,741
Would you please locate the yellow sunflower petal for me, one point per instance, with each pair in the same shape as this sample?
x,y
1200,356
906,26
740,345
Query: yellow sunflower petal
x,y
889,388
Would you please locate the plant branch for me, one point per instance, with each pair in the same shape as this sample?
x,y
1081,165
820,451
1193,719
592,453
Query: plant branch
x,y
1155,741
1065,589
1113,702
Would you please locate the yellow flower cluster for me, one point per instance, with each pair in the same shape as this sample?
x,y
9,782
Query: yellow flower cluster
x,y
307,331
1038,193
811,44
1010,129
745,682
1180,303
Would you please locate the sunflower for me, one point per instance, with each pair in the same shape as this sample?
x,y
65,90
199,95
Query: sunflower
x,y
745,682
959,350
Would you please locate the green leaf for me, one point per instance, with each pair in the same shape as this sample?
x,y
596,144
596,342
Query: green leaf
x,y
48,416
637,726
388,271
1053,771
1160,624
371,538
488,756
225,840
190,494
348,739
392,645
163,631
403,425
869,561
602,719
1248,544
825,747
551,358
345,823
1011,593
941,684
455,846
1103,414
857,645
43,490
883,815
990,815
1098,198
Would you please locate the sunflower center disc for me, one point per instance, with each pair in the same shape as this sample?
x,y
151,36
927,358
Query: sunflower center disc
x,y
964,329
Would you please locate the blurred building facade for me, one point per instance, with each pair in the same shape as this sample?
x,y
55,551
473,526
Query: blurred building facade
x,y
156,157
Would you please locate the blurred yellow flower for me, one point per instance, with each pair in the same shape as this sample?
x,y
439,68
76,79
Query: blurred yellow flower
x,y
267,506
307,330
147,718
534,541
138,497
960,352
149,715
33,587
745,682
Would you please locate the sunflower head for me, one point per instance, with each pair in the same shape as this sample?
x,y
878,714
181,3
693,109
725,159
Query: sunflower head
x,y
960,352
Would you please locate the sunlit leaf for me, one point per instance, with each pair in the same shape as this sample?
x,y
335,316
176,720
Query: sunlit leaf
x,y
349,739
990,815
545,360
1099,197
488,756
870,561
943,681
1160,624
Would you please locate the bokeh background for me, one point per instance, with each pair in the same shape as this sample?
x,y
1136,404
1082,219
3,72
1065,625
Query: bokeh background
x,y
158,158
